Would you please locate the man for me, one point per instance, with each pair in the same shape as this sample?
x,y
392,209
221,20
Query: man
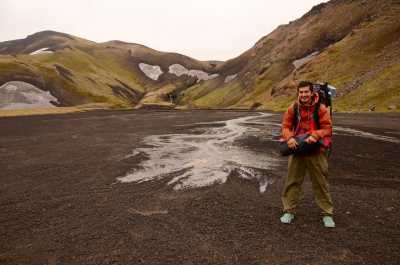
x,y
307,116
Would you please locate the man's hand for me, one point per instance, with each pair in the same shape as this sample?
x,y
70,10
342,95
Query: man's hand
x,y
311,140
292,144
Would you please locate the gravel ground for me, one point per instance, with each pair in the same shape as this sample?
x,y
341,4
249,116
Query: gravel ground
x,y
61,203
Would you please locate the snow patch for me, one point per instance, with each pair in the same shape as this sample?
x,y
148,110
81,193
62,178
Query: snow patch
x,y
179,70
300,62
151,71
229,78
22,95
41,51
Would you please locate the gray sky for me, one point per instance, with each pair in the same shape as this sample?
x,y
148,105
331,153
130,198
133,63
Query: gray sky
x,y
203,29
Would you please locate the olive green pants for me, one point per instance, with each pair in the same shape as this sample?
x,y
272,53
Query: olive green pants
x,y
317,167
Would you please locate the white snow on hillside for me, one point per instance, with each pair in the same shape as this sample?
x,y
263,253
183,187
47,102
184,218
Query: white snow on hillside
x,y
151,71
179,70
41,51
229,78
300,62
22,95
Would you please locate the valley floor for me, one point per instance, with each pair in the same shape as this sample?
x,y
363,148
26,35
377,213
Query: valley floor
x,y
61,201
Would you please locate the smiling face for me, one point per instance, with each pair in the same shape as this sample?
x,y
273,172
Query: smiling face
x,y
305,95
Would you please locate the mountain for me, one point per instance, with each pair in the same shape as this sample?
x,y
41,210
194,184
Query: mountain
x,y
352,44
77,71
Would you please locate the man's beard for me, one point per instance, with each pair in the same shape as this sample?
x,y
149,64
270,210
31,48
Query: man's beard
x,y
305,100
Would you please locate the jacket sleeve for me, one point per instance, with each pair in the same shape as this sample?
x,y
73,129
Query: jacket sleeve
x,y
287,123
325,124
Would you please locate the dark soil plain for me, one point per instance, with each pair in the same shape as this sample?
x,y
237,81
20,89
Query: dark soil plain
x,y
61,203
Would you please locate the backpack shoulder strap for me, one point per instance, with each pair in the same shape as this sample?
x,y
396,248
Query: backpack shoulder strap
x,y
296,116
316,115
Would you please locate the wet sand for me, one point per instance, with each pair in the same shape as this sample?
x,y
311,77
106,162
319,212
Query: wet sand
x,y
63,198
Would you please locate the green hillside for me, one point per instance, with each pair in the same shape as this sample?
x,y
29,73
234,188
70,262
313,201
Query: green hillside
x,y
357,50
78,71
352,44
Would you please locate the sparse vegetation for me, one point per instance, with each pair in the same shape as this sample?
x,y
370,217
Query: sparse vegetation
x,y
359,55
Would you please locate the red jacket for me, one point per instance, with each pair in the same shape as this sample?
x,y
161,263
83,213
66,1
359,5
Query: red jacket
x,y
307,123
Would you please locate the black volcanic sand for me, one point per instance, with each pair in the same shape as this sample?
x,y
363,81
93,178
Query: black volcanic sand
x,y
60,202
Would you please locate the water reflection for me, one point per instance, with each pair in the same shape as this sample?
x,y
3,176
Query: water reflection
x,y
358,133
201,159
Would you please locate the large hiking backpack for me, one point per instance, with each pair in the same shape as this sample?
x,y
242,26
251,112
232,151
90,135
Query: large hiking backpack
x,y
325,94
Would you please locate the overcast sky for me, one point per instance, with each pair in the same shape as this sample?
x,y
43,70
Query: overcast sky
x,y
203,29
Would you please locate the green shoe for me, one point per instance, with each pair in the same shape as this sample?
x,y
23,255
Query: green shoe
x,y
328,221
287,218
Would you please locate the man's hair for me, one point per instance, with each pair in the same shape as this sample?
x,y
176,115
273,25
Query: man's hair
x,y
305,84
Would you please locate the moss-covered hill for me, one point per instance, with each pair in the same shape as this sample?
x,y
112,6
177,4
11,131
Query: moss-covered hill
x,y
352,44
78,71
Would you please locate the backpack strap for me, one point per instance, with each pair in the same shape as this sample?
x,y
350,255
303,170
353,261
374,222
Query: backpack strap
x,y
316,115
296,117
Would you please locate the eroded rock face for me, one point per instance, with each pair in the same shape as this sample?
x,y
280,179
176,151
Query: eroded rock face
x,y
151,71
179,70
22,95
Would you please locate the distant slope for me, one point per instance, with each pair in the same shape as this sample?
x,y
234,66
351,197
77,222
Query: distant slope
x,y
352,44
78,71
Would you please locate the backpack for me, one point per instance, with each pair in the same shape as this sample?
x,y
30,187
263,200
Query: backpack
x,y
325,94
